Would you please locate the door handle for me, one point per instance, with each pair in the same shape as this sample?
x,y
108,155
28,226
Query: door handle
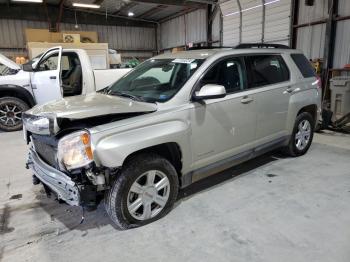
x,y
52,77
288,90
291,90
246,100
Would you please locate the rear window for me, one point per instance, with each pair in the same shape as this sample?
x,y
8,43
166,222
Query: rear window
x,y
266,70
304,65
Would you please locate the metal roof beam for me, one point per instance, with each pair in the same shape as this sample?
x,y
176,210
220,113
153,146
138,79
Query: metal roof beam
x,y
185,3
98,2
152,11
125,7
38,13
182,12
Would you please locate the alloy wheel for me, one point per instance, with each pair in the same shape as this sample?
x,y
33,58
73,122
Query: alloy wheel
x,y
10,114
302,137
148,195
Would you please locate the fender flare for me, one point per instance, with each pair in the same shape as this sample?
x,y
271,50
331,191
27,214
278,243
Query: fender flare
x,y
22,92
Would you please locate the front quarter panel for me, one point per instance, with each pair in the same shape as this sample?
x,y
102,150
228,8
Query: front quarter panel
x,y
113,146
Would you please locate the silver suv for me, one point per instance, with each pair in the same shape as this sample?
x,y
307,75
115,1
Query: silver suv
x,y
171,121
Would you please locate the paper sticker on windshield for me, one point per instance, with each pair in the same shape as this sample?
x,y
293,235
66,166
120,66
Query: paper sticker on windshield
x,y
183,61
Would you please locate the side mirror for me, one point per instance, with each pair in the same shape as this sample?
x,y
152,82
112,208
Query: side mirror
x,y
28,67
210,91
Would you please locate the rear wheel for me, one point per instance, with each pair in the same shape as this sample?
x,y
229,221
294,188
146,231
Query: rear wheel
x,y
11,109
302,135
145,190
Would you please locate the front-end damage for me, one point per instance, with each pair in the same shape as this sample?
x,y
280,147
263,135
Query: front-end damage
x,y
78,186
62,157
65,188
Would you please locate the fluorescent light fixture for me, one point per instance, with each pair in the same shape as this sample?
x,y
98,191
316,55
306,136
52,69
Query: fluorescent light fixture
x,y
130,13
250,8
86,5
28,1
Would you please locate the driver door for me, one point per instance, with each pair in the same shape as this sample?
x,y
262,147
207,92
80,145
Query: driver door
x,y
46,78
223,127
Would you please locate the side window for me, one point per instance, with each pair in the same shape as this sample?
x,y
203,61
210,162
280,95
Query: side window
x,y
228,72
48,63
304,65
266,70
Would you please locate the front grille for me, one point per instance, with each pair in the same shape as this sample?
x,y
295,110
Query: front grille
x,y
46,148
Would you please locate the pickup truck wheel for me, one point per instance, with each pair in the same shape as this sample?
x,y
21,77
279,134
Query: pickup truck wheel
x,y
302,135
145,190
11,109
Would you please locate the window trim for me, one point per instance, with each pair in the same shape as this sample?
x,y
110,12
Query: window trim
x,y
249,70
219,60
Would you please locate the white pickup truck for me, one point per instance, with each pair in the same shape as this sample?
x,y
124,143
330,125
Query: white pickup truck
x,y
58,73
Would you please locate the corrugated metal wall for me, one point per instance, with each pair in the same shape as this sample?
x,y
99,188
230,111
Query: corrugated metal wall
x,y
188,28
277,22
342,43
310,39
262,21
252,21
231,23
135,41
316,12
216,27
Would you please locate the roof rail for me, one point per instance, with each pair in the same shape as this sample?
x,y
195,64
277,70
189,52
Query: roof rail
x,y
207,47
261,45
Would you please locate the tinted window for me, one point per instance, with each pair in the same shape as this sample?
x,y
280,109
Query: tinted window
x,y
304,65
228,72
266,70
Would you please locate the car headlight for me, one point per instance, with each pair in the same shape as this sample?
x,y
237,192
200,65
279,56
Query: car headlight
x,y
74,150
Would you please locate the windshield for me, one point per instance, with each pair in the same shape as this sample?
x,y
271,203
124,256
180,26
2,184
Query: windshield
x,y
4,70
155,80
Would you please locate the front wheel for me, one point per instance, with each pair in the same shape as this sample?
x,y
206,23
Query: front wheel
x,y
144,191
302,135
11,109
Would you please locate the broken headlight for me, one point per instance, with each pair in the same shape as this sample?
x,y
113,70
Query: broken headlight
x,y
74,150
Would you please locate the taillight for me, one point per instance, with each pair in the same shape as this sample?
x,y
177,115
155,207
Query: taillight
x,y
319,82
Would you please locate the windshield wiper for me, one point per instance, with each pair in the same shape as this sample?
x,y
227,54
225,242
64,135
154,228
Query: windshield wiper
x,y
122,94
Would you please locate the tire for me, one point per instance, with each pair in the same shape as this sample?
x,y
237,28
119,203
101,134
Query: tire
x,y
293,149
121,198
11,109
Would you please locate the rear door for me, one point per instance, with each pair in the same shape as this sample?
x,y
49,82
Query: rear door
x,y
269,77
46,78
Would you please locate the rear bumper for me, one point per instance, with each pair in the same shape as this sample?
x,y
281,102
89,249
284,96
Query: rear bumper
x,y
57,181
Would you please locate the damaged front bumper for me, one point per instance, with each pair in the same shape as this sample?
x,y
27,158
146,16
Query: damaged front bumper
x,y
57,181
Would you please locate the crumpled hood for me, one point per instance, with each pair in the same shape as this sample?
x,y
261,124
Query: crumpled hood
x,y
91,105
8,62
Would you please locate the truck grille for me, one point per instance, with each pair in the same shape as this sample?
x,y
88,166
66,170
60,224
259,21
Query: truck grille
x,y
46,148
